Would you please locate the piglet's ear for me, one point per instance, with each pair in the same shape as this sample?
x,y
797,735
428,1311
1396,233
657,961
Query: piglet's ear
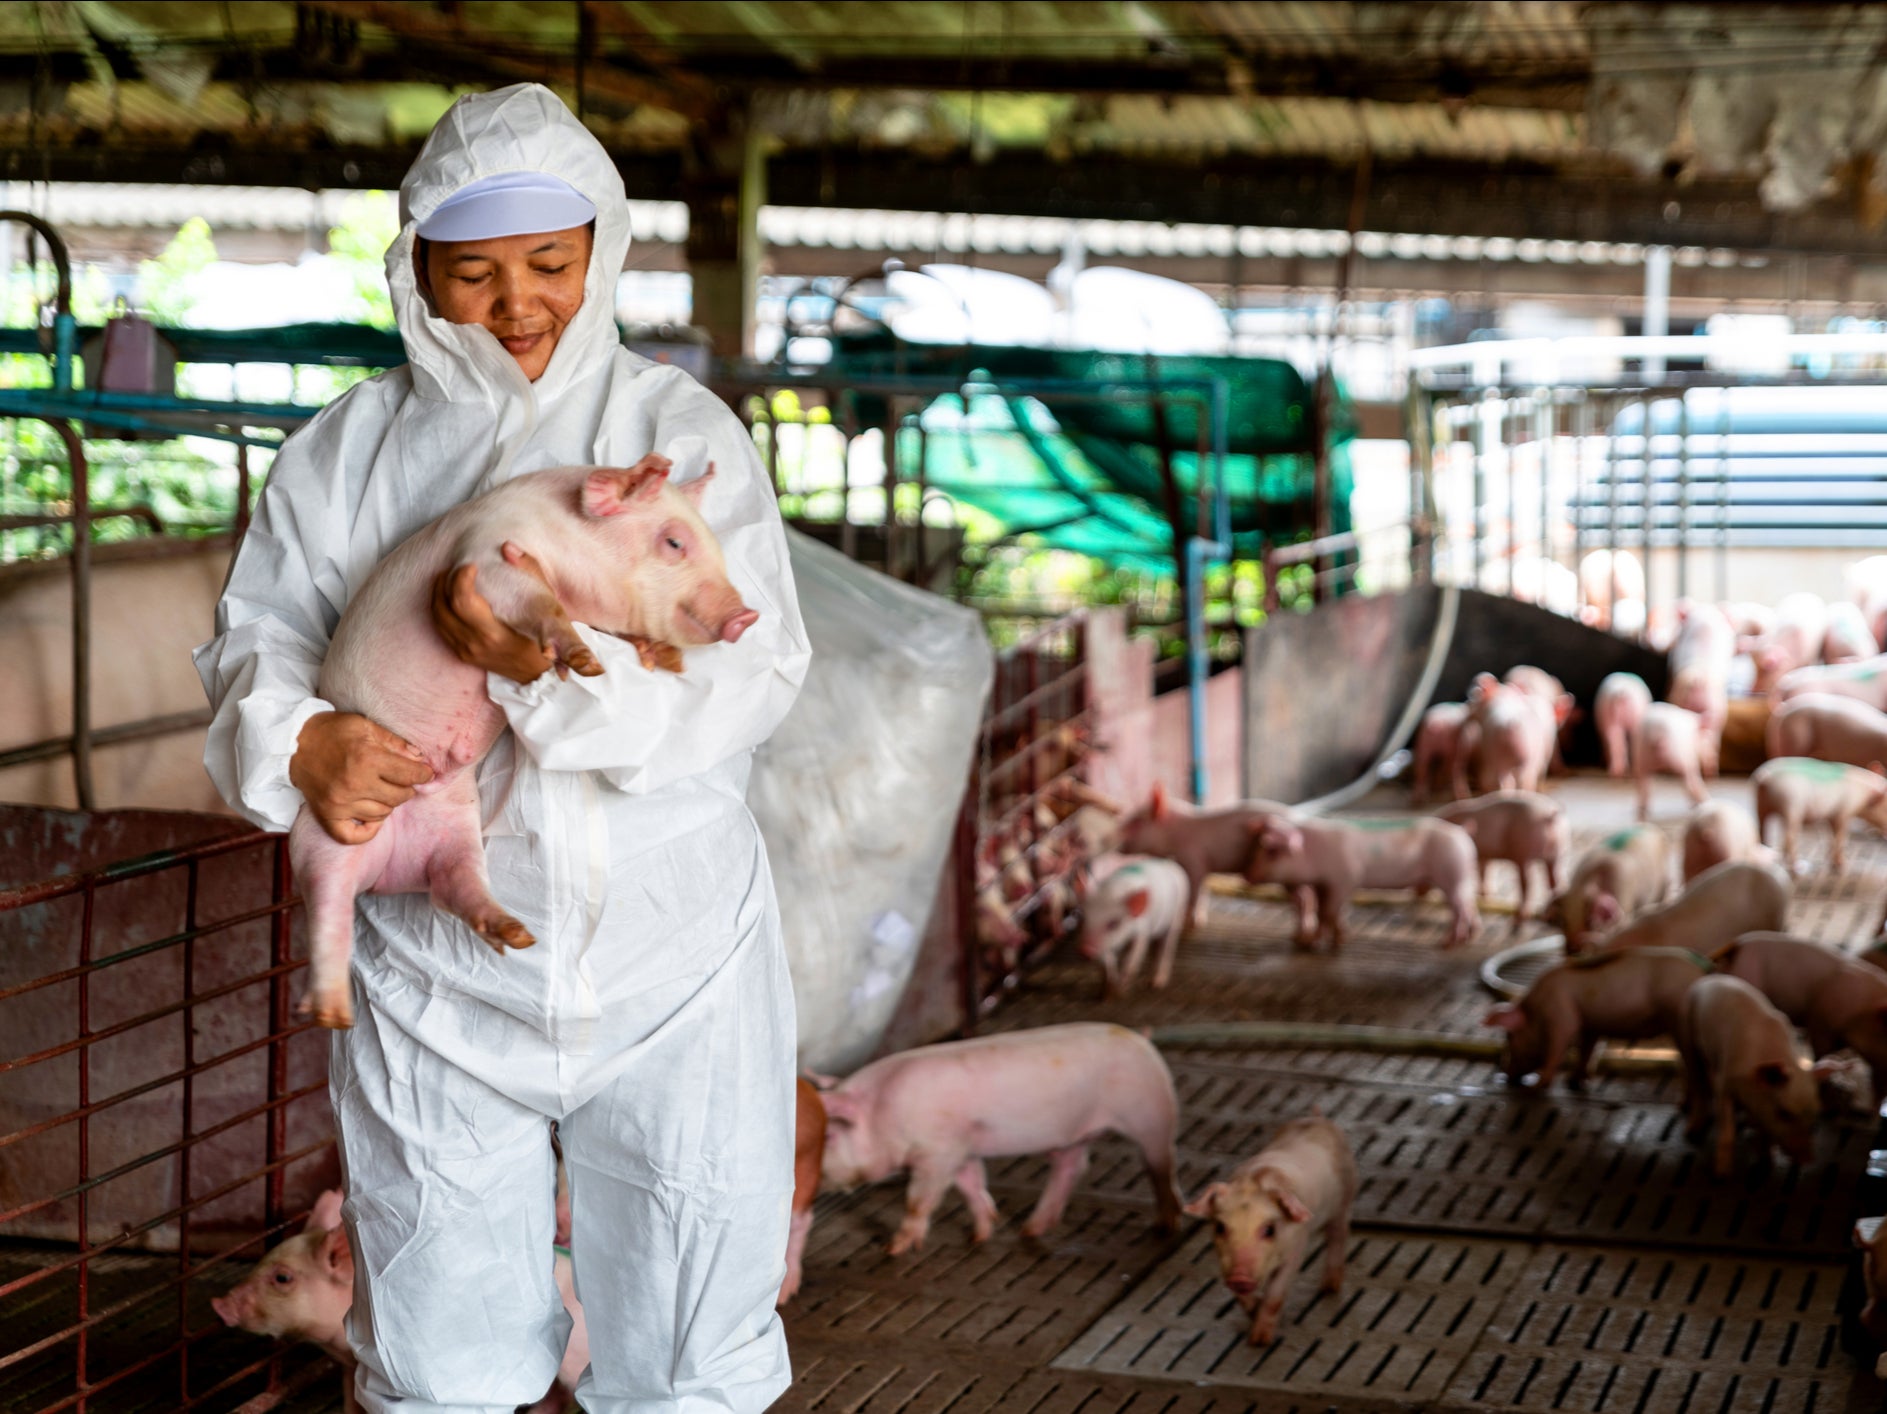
x,y
841,1108
326,1213
1293,1206
693,489
335,1254
610,490
1205,1203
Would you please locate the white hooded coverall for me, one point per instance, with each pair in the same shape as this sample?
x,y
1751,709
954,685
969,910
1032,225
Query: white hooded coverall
x,y
654,1017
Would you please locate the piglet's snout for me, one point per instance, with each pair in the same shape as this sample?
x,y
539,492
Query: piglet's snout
x,y
229,1307
1240,1284
737,624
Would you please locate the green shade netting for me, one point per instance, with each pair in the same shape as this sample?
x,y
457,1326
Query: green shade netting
x,y
1083,472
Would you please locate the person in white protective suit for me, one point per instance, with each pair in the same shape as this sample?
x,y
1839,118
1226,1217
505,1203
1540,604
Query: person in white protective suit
x,y
654,1018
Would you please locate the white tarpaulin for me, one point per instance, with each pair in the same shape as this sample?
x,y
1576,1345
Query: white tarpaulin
x,y
857,792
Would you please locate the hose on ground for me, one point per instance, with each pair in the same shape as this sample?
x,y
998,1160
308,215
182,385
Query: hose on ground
x,y
1376,1040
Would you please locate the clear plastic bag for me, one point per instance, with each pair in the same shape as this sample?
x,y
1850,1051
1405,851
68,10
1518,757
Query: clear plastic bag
x,y
857,793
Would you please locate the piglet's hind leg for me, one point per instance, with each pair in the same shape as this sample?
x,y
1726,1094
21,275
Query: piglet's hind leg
x,y
1336,1249
1065,1169
455,866
331,876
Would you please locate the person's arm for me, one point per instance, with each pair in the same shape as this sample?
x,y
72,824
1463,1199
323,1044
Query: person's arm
x,y
272,740
643,729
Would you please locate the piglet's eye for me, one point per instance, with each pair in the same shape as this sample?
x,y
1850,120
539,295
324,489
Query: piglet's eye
x,y
671,542
283,1277
1219,1228
1271,1229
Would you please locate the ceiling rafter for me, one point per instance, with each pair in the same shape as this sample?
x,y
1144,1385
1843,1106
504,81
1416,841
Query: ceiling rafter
x,y
478,54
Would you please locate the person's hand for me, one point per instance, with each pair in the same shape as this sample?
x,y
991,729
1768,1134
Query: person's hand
x,y
353,772
475,635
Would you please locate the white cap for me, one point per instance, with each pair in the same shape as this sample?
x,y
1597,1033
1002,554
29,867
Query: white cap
x,y
509,204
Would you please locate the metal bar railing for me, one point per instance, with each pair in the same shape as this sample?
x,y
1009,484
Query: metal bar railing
x,y
77,919
142,730
1039,701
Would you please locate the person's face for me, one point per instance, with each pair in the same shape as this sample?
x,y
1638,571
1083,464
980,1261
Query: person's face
x,y
524,289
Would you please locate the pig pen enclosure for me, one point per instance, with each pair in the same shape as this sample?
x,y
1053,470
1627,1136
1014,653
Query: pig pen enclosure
x,y
167,1112
164,1114
1511,1251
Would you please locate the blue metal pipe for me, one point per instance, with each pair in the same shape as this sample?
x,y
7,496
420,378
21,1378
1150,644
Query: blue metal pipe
x,y
1197,551
20,402
64,349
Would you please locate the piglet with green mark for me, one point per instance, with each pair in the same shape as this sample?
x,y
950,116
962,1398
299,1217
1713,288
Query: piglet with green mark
x,y
1799,791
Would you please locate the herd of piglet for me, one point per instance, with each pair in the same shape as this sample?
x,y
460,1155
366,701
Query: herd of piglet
x,y
1685,940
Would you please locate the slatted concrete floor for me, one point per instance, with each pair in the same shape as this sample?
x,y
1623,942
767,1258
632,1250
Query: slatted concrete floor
x,y
1511,1252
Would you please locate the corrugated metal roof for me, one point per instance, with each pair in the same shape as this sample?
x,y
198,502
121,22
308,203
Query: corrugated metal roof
x,y
1528,29
107,205
1655,95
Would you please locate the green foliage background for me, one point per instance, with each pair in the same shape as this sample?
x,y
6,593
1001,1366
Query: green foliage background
x,y
191,483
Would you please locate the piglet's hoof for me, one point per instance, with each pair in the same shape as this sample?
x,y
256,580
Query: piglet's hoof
x,y
329,1009
502,931
656,656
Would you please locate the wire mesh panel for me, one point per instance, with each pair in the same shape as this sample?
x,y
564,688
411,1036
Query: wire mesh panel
x,y
156,1097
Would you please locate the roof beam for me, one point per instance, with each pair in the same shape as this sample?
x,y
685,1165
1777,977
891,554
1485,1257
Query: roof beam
x,y
1424,197
1533,85
477,54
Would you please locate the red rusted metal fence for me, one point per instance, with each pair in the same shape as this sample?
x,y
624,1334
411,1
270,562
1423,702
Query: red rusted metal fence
x,y
166,1121
1022,855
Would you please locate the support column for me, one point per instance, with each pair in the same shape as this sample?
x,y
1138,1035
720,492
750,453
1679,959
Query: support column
x,y
725,188
1657,319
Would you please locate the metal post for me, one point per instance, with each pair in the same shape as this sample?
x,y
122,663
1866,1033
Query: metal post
x,y
969,944
1479,507
846,425
242,490
891,489
1611,495
81,612
275,1140
920,570
184,1146
1647,509
1723,494
1657,320
1582,431
1419,418
1683,502
85,1135
773,445
1543,428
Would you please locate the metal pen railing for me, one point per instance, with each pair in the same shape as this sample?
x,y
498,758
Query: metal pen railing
x,y
1029,760
1532,454
86,1312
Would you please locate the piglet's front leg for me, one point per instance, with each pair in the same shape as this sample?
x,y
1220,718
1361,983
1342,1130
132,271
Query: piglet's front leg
x,y
520,596
656,656
1264,1324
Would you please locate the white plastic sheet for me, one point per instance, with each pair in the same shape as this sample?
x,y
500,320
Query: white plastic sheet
x,y
857,792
